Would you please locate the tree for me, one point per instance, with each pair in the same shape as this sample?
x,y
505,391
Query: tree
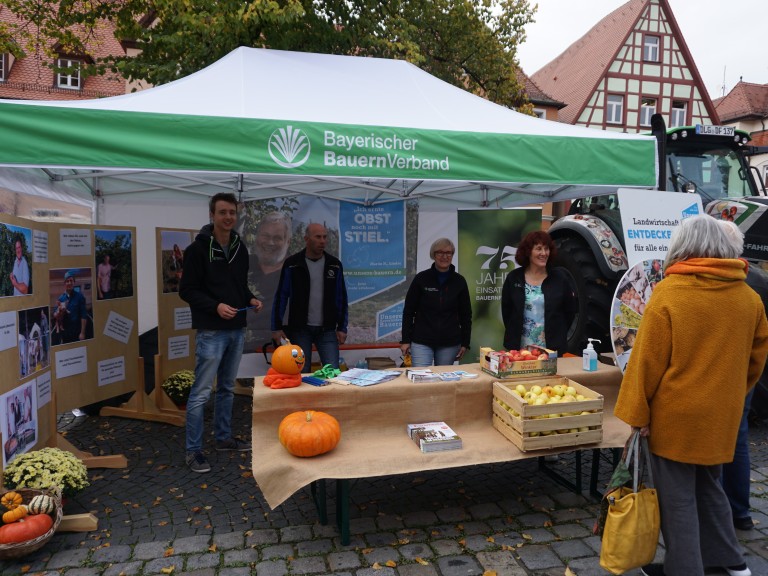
x,y
470,44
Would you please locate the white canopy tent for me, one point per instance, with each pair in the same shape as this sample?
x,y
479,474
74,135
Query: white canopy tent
x,y
380,129
269,124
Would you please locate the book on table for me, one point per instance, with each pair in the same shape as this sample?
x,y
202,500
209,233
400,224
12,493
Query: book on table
x,y
434,436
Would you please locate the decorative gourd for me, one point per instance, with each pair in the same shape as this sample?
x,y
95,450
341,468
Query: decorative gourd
x,y
309,433
11,500
16,514
41,504
288,359
25,529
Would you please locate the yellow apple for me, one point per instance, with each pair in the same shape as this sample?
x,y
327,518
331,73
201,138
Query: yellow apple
x,y
570,390
520,389
536,389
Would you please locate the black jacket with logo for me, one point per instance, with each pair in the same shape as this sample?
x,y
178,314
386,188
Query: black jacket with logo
x,y
210,278
435,315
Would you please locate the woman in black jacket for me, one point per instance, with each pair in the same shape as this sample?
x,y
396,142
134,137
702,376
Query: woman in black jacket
x,y
437,315
537,303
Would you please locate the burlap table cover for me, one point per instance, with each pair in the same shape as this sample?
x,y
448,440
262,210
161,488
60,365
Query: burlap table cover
x,y
373,422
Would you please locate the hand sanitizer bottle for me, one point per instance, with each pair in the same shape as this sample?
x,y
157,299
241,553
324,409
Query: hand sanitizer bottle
x,y
589,356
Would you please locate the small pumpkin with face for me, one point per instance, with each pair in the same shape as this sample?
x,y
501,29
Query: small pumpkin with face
x,y
287,362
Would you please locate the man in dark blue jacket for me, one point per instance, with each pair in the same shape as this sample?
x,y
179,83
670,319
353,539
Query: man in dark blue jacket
x,y
215,285
313,292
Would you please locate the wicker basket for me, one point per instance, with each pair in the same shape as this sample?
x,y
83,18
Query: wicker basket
x,y
21,549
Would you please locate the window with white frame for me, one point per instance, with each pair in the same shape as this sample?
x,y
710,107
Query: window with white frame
x,y
614,109
679,114
3,67
540,113
651,48
647,109
69,76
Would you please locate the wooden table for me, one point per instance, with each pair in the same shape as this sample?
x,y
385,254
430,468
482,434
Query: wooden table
x,y
373,422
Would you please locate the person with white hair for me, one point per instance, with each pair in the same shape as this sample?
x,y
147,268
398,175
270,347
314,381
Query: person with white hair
x,y
273,237
681,392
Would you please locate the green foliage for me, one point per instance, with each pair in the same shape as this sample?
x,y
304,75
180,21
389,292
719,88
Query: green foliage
x,y
471,44
46,469
178,385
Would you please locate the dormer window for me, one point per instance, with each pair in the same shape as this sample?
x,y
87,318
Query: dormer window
x,y
69,75
651,48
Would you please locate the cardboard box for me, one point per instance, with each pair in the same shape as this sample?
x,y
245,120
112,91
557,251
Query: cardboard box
x,y
497,365
542,427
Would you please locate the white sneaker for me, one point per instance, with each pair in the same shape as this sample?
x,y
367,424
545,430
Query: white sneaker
x,y
741,570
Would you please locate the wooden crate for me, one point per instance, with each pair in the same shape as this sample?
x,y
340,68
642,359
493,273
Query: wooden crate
x,y
545,420
490,364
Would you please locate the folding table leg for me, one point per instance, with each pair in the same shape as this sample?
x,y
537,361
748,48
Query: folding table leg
x,y
342,509
317,489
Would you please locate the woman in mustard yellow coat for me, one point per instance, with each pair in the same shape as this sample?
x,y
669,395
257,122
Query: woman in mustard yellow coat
x,y
700,348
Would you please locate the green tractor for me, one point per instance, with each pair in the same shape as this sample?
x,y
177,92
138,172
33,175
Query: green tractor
x,y
711,161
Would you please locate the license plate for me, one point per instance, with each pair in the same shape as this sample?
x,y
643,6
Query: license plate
x,y
707,130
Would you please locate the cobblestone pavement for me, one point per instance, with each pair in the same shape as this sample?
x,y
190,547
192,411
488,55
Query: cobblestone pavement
x,y
156,517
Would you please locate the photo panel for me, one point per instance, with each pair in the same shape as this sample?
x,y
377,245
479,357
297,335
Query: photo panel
x,y
71,305
18,414
172,246
34,340
113,264
15,260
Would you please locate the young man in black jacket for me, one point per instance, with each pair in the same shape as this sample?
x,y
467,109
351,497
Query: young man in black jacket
x,y
215,285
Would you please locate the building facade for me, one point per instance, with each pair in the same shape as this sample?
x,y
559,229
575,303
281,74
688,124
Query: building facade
x,y
33,76
629,66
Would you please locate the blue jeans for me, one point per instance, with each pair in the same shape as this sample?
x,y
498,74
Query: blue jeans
x,y
735,476
325,341
423,355
217,356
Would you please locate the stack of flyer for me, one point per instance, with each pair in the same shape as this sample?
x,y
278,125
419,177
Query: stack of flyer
x,y
434,436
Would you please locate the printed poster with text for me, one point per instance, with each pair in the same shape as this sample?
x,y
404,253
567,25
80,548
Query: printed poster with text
x,y
372,247
487,245
649,217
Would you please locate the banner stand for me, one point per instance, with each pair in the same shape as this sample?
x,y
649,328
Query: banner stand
x,y
142,407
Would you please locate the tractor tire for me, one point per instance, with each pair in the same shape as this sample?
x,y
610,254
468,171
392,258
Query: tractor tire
x,y
593,291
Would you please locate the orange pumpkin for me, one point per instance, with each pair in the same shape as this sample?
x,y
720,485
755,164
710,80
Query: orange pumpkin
x,y
15,514
288,359
25,529
309,433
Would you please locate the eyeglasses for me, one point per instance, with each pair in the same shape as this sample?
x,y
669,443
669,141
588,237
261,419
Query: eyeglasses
x,y
444,254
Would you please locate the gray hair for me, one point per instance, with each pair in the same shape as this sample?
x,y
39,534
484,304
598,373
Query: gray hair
x,y
702,237
277,217
735,235
441,243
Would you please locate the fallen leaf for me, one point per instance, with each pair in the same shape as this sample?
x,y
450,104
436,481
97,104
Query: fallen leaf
x,y
168,570
527,536
196,509
403,541
569,572
212,548
463,542
367,550
548,524
163,523
490,539
391,563
25,569
422,561
168,552
203,486
376,566
489,573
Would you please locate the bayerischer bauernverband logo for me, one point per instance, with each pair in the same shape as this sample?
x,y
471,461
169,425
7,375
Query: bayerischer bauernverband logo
x,y
289,147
